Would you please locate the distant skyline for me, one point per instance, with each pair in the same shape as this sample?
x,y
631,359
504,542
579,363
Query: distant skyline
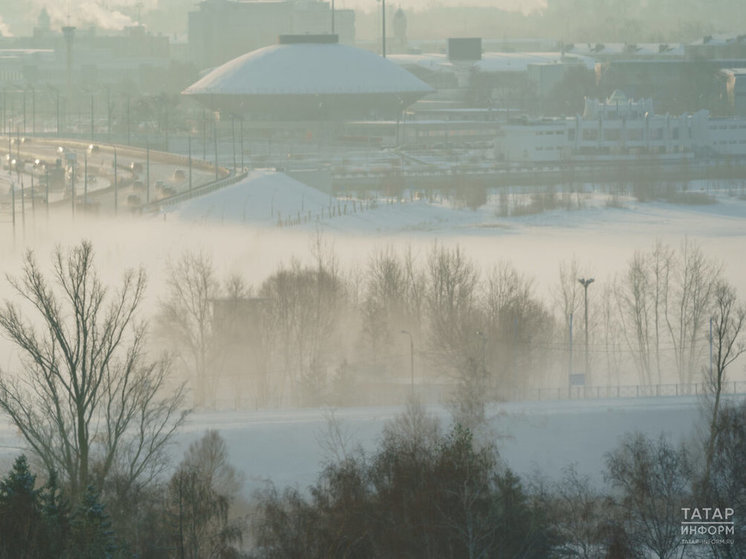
x,y
20,18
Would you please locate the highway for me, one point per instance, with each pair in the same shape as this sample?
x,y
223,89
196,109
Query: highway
x,y
45,174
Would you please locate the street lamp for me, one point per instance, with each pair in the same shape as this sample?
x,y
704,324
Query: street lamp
x,y
585,282
411,358
383,28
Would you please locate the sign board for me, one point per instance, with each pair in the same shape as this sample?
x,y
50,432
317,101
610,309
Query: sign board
x,y
577,380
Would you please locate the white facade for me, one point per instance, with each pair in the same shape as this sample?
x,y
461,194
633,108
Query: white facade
x,y
725,136
619,128
540,141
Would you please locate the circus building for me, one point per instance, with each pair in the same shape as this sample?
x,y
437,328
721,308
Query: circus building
x,y
309,77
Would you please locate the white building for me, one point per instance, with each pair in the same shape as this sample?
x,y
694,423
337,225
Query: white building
x,y
620,128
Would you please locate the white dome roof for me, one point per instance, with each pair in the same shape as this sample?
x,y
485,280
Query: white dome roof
x,y
308,69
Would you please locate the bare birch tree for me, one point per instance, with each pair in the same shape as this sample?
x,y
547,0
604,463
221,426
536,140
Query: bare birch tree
x,y
694,283
632,297
663,300
660,263
88,402
186,318
728,345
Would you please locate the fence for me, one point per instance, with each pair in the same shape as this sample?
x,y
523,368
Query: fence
x,y
627,391
194,192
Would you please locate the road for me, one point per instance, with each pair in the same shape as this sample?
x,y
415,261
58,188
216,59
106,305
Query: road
x,y
141,176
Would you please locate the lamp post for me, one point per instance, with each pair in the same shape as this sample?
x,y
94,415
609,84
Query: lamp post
x,y
383,28
585,282
411,359
116,184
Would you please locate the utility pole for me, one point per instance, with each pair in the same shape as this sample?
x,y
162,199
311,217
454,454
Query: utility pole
x,y
116,183
215,139
383,27
85,180
46,173
570,364
147,171
233,141
72,185
711,348
189,148
240,129
585,282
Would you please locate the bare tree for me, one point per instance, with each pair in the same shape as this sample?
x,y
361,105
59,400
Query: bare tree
x,y
452,283
392,303
663,300
661,262
201,494
632,295
611,331
653,480
517,328
186,317
384,307
455,335
303,315
89,402
696,276
580,514
728,345
568,295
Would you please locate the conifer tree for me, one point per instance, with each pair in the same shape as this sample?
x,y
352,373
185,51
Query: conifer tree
x,y
91,535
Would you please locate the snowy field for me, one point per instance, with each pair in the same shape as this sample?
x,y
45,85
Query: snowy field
x,y
289,447
239,227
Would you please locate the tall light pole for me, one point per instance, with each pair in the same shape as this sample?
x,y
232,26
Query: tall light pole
x,y
69,33
411,359
585,282
383,28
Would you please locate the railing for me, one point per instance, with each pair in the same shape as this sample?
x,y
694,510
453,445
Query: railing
x,y
194,192
626,391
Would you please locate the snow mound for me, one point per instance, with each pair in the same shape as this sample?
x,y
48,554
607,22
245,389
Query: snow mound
x,y
262,198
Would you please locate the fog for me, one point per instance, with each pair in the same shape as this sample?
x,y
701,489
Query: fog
x,y
600,241
497,234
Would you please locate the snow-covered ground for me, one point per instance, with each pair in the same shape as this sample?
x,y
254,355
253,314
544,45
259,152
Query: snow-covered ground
x,y
602,236
239,227
288,447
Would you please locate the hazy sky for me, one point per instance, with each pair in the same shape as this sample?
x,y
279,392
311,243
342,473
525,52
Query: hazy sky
x,y
514,5
19,18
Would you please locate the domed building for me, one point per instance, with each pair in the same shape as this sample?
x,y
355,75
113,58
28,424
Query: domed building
x,y
309,77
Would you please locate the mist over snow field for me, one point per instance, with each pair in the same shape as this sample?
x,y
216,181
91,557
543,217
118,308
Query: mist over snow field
x,y
240,227
287,447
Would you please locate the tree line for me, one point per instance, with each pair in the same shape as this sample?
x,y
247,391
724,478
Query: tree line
x,y
97,408
425,492
313,333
